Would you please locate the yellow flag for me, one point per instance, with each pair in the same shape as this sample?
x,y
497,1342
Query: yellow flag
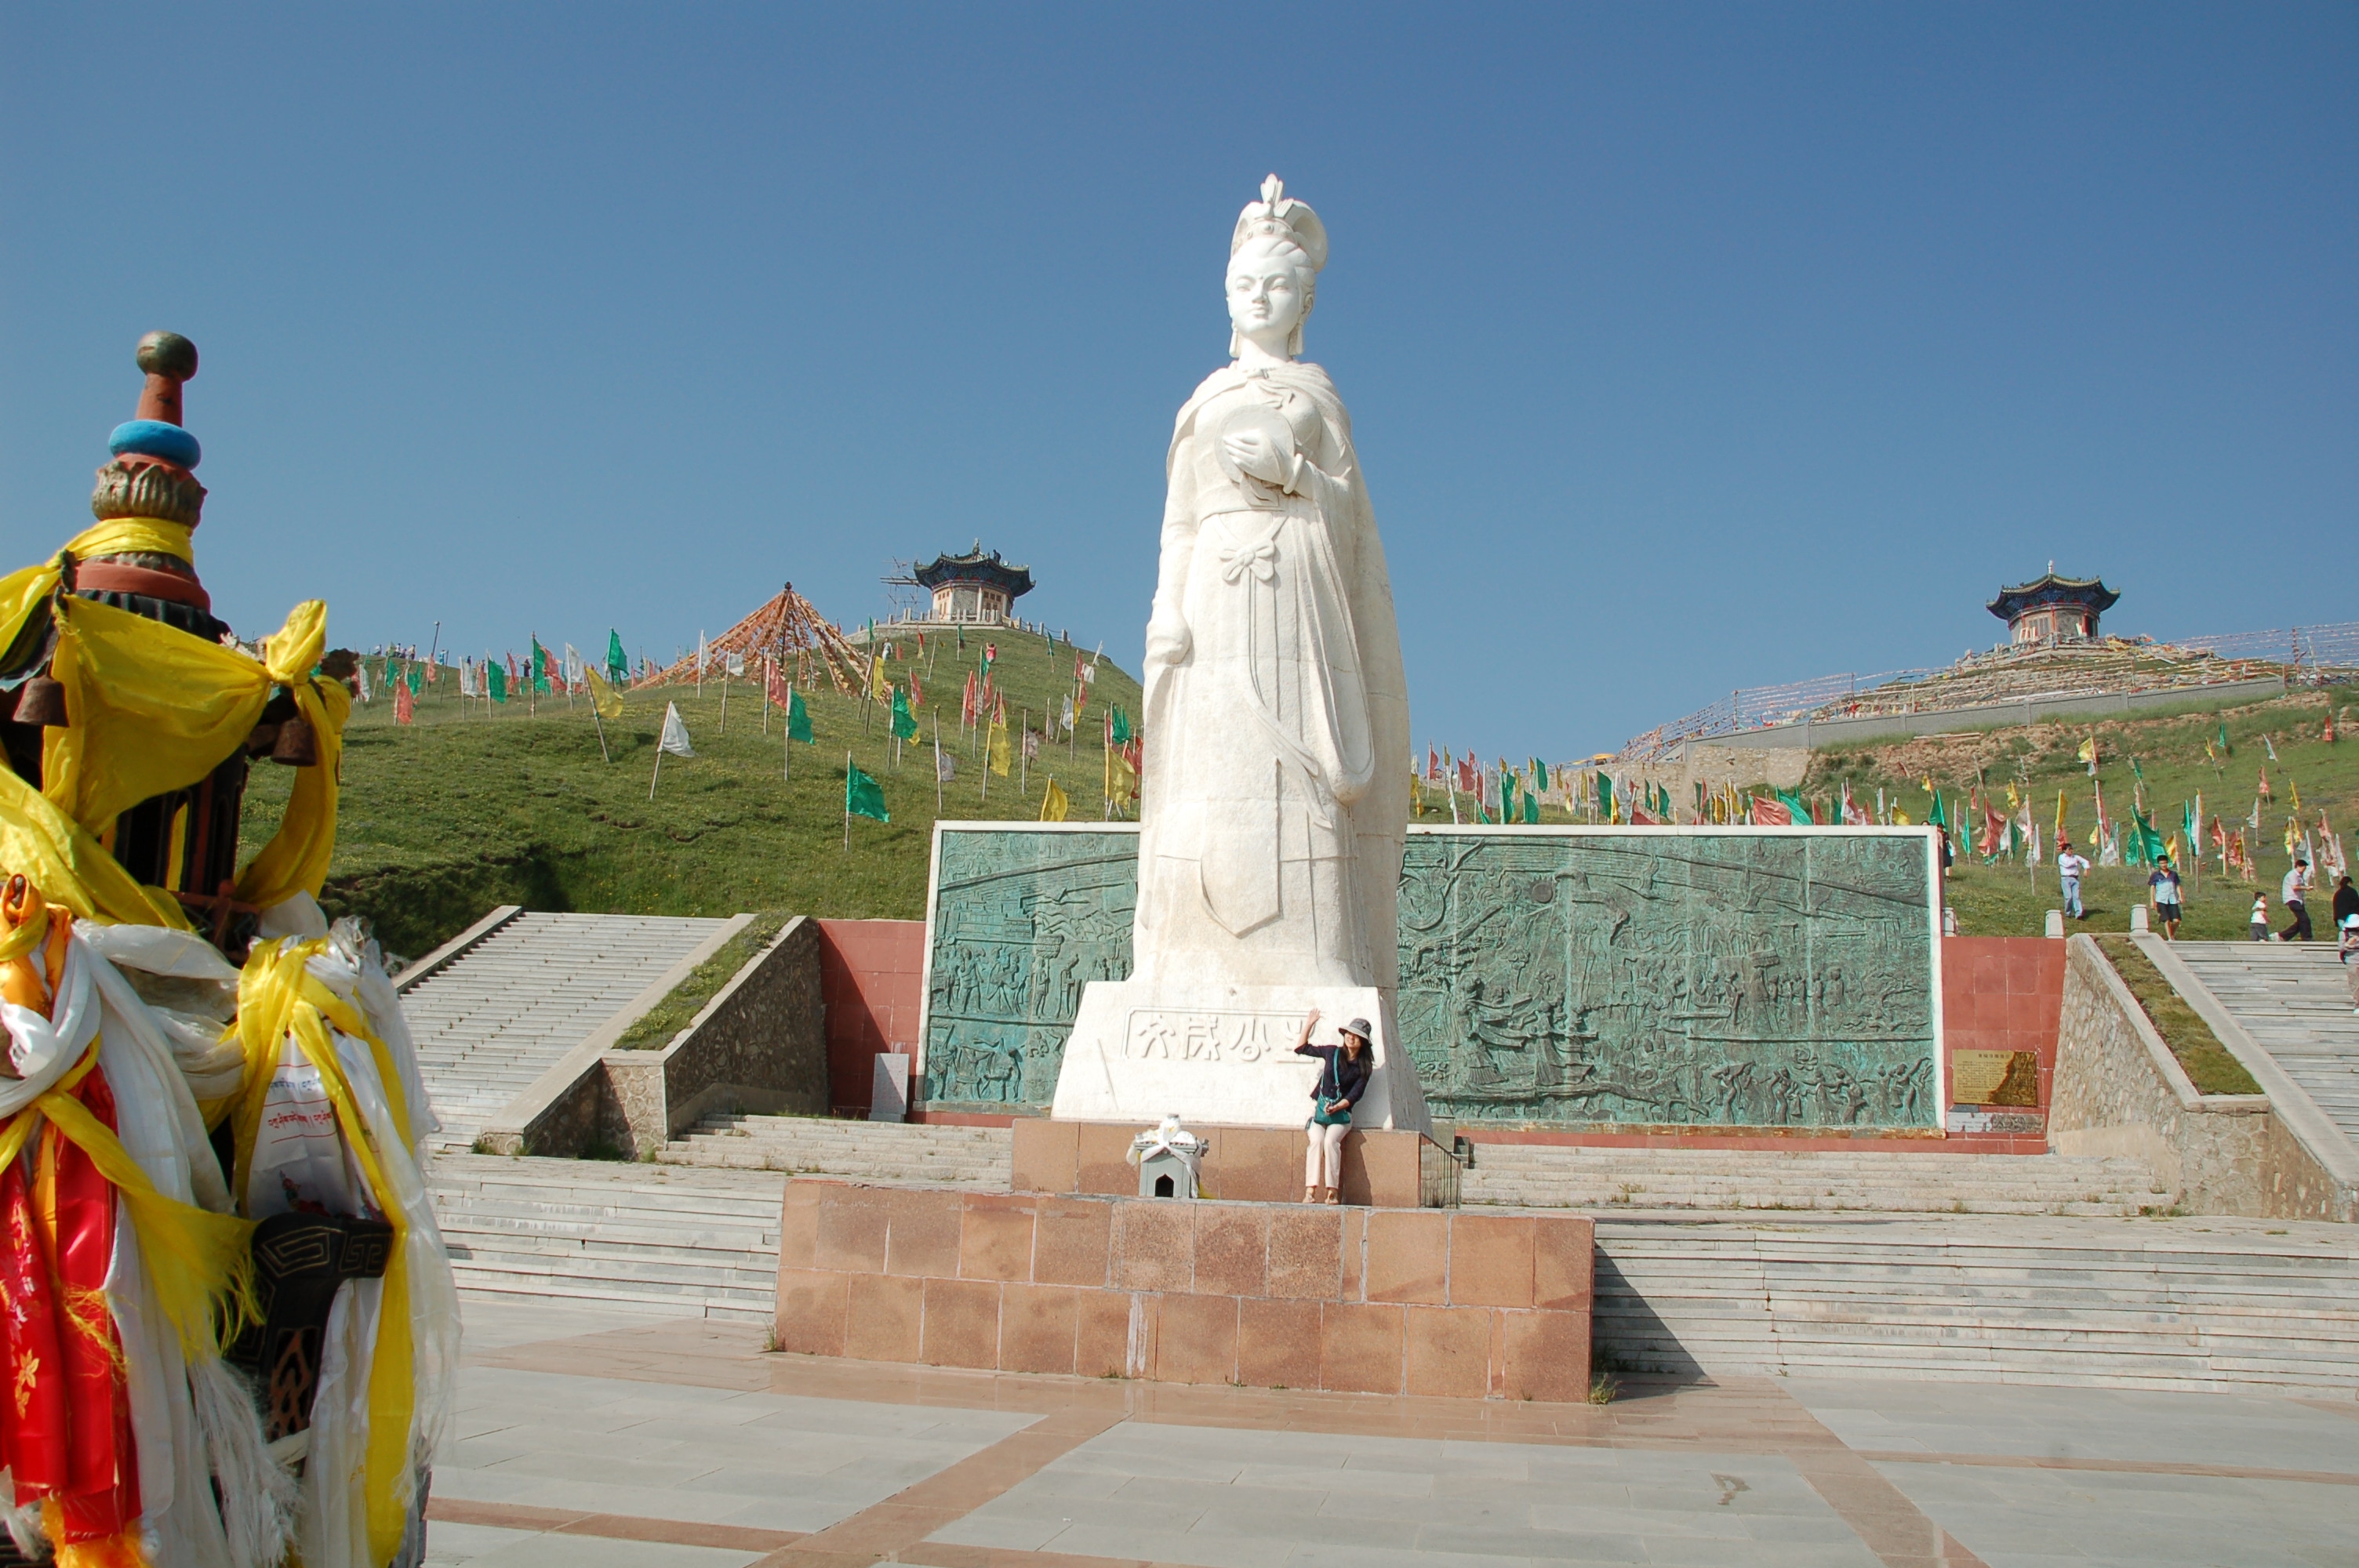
x,y
999,748
604,698
2297,795
2088,751
1121,778
2060,813
881,688
1053,805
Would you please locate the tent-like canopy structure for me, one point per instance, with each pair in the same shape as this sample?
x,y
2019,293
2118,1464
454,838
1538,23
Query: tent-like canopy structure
x,y
786,630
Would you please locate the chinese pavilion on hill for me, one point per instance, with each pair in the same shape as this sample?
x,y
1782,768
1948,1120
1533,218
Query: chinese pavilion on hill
x,y
2053,609
974,587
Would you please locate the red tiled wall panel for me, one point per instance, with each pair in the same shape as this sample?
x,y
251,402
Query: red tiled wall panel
x,y
872,978
2003,994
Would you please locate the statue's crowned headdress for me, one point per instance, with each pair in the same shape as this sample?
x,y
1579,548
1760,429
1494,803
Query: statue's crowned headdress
x,y
1282,217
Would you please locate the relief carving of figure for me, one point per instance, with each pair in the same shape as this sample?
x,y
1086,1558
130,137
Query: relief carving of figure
x,y
1277,711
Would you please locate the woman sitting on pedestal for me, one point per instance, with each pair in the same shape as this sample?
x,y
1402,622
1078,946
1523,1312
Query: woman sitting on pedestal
x,y
1343,1079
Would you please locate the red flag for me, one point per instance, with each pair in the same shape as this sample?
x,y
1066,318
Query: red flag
x,y
778,689
405,707
1466,774
916,692
1770,812
1432,765
2265,782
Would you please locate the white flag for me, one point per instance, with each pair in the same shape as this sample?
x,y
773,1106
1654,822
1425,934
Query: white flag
x,y
1089,674
362,671
700,653
573,665
1066,717
945,766
737,666
675,733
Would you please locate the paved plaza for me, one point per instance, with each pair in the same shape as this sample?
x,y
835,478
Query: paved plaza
x,y
586,1440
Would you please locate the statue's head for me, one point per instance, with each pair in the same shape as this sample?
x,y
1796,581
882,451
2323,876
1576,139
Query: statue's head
x,y
1275,257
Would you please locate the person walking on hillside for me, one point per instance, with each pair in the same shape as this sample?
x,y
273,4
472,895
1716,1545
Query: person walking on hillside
x,y
2346,902
2348,951
2293,893
2164,886
1344,1072
2070,868
2261,932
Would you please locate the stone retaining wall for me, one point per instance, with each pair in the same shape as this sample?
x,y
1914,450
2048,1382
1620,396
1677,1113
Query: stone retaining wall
x,y
1274,1296
758,1045
2119,1090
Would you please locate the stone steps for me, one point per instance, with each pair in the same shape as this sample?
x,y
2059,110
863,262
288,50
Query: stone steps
x,y
675,1242
870,1151
2190,1304
491,1021
1540,1176
2292,998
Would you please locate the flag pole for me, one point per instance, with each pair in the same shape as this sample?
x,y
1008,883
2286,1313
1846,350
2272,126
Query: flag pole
x,y
658,773
725,694
847,802
603,754
937,763
770,670
1024,755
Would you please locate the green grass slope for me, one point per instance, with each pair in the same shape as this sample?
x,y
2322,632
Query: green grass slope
x,y
443,819
2006,899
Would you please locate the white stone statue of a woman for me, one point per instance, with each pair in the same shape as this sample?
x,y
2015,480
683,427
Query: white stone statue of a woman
x,y
1276,788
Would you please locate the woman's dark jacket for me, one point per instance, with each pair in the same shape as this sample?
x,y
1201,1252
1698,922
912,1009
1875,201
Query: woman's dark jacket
x,y
1341,1077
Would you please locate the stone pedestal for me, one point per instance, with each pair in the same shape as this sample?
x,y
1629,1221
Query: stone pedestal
x,y
1381,1168
1268,1295
1140,1051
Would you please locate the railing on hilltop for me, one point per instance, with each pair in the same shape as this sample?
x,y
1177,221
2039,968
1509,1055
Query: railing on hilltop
x,y
2323,649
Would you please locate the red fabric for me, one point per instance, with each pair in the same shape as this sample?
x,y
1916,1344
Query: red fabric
x,y
121,576
68,1421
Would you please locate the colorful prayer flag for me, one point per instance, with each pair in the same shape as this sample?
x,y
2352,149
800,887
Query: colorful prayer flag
x,y
863,795
604,698
798,724
905,723
1053,804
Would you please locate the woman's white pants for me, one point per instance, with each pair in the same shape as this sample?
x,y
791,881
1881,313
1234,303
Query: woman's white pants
x,y
1322,1163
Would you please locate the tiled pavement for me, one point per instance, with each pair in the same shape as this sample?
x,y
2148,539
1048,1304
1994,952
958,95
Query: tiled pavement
x,y
589,1440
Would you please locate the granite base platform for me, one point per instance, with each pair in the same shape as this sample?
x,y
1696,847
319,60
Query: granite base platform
x,y
1383,1168
1272,1295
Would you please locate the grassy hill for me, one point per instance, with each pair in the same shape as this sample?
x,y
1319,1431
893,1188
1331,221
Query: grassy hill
x,y
443,819
464,809
2004,899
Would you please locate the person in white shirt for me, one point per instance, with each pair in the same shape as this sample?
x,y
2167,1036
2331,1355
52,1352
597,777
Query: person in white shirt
x,y
2071,867
2292,894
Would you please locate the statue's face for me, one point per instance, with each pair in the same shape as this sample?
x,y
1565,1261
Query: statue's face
x,y
1266,293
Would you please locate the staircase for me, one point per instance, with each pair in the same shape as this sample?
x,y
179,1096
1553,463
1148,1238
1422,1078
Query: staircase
x,y
688,1243
491,1021
2293,999
869,1150
1541,1175
2190,1305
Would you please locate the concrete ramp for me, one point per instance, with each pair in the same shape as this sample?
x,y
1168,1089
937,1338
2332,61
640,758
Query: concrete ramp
x,y
2292,998
500,1005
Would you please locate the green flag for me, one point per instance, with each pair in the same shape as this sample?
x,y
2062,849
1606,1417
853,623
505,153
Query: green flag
x,y
499,680
539,667
1804,818
2152,849
863,797
2225,749
416,678
1936,818
1531,807
905,723
1605,794
618,664
797,718
1120,728
1540,775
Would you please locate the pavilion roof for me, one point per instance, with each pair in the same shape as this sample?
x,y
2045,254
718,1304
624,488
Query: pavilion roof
x,y
2050,588
977,564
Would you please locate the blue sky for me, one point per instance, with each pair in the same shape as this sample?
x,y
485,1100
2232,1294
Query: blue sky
x,y
1690,347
